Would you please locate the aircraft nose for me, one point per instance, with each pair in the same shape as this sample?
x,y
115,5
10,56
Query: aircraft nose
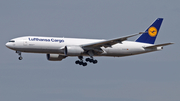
x,y
7,45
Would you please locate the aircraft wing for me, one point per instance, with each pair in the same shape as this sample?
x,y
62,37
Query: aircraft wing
x,y
155,46
109,43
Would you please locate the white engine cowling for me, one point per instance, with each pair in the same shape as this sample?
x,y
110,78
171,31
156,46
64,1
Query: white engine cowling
x,y
73,50
55,57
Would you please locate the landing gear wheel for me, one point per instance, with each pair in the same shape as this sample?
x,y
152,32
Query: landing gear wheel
x,y
19,53
84,64
20,58
91,60
95,61
80,63
77,62
87,59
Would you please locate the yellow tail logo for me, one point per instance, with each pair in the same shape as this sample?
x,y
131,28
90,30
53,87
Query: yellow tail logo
x,y
152,31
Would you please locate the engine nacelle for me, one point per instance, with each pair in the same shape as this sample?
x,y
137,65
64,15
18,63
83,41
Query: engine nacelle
x,y
73,50
55,57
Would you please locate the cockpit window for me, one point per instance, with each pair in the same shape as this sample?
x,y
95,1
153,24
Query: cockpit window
x,y
11,41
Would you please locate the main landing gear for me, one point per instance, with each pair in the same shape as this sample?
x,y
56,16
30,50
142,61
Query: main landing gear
x,y
19,53
81,62
91,60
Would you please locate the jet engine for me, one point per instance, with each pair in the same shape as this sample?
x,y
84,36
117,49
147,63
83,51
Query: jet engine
x,y
55,57
73,50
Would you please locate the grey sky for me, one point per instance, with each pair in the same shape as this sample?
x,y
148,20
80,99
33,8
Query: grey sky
x,y
148,77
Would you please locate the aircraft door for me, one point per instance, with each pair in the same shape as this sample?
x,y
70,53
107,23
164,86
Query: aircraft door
x,y
25,43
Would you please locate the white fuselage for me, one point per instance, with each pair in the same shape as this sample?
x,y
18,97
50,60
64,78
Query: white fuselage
x,y
55,45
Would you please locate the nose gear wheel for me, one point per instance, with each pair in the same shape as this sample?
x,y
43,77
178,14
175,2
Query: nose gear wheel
x,y
19,53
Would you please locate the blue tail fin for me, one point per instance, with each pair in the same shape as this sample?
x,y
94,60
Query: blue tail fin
x,y
151,33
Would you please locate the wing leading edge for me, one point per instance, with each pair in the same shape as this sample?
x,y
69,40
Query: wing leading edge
x,y
109,43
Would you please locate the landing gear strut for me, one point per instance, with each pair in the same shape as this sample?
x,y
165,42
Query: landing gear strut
x,y
91,60
19,53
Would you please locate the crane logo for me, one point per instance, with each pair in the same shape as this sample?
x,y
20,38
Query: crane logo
x,y
152,31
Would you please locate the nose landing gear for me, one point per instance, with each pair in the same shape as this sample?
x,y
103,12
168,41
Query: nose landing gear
x,y
19,53
20,58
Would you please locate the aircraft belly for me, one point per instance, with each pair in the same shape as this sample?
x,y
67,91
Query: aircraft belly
x,y
123,51
38,50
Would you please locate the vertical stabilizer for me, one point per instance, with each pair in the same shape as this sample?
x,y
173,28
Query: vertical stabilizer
x,y
151,33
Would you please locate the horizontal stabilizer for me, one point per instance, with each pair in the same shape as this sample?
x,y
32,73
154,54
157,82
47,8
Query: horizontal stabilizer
x,y
159,45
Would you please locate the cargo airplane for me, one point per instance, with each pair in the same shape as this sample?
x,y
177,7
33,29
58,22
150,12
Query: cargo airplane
x,y
58,48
